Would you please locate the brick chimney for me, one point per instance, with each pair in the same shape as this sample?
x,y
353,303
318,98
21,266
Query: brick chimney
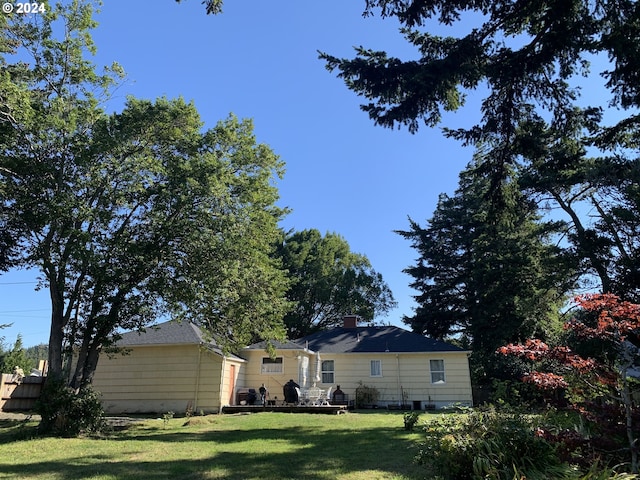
x,y
350,321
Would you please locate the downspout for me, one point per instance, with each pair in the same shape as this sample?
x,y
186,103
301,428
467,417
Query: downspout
x,y
401,400
224,369
195,399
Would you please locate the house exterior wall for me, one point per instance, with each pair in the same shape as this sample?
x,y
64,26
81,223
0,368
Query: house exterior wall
x,y
230,385
274,382
405,377
160,379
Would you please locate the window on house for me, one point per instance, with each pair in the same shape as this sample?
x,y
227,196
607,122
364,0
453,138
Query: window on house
x,y
272,365
437,371
376,368
327,371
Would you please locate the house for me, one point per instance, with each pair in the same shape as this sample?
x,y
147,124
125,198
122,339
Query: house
x,y
172,367
404,367
169,367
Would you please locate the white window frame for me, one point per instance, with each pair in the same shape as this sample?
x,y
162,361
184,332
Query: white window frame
x,y
271,366
328,375
437,371
377,371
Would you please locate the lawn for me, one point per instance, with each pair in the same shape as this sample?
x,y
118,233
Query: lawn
x,y
262,446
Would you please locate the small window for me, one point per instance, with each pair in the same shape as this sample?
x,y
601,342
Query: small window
x,y
376,368
437,371
327,371
272,365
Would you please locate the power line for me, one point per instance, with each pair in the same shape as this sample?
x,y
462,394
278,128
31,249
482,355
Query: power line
x,y
18,283
23,311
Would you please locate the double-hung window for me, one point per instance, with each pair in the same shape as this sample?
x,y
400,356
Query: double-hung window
x,y
271,365
328,369
376,368
437,371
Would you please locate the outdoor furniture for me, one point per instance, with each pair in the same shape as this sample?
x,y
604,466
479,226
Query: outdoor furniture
x,y
314,394
301,396
325,398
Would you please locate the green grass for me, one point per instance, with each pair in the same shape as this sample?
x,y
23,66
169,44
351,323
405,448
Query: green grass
x,y
262,446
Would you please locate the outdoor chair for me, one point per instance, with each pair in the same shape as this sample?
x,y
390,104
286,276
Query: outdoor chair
x,y
301,400
325,399
314,395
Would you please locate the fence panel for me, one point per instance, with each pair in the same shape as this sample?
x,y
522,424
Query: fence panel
x,y
19,394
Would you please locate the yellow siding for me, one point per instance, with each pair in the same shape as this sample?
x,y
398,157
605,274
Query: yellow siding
x,y
274,382
160,379
228,396
406,373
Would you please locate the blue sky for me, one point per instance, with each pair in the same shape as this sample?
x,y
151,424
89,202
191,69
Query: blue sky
x,y
259,60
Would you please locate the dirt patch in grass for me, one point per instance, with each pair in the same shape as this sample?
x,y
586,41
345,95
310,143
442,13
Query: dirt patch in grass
x,y
19,416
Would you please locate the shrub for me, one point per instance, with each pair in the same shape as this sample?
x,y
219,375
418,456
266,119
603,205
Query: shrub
x,y
597,386
515,393
489,444
67,413
410,420
366,395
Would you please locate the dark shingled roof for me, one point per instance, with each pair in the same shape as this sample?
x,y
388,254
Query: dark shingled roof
x,y
288,345
367,340
374,339
169,333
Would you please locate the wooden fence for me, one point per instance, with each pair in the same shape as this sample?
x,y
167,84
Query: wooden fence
x,y
19,393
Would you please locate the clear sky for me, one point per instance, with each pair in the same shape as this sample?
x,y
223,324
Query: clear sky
x,y
259,60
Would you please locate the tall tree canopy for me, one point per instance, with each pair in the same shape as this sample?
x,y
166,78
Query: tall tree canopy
x,y
526,53
486,273
531,58
329,281
131,215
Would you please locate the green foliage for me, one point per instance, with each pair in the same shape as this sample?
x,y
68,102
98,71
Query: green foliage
x,y
166,418
514,394
489,444
37,353
366,395
16,357
132,215
486,271
212,7
67,413
598,388
410,419
329,281
532,59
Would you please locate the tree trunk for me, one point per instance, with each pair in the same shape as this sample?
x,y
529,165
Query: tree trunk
x,y
583,243
56,334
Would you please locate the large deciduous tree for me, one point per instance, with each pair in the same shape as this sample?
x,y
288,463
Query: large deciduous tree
x,y
328,281
131,215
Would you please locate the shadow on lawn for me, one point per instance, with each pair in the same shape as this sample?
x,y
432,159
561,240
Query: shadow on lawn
x,y
230,467
315,456
16,430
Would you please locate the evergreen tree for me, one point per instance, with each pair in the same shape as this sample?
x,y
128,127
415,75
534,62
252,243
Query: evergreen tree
x,y
486,271
37,353
16,357
529,61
